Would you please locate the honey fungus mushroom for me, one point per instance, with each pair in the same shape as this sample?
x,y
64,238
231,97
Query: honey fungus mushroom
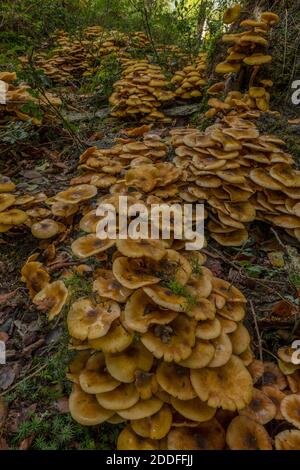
x,y
129,440
175,380
153,249
13,217
116,339
52,298
193,409
106,285
121,398
88,245
290,407
205,436
123,366
47,228
245,434
172,342
35,276
85,409
90,320
94,378
141,312
288,440
6,200
261,408
76,194
155,426
216,387
133,273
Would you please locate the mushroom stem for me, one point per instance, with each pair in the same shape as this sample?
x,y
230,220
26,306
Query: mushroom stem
x,y
253,75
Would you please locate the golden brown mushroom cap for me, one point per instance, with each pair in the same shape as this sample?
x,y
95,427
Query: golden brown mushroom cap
x,y
154,249
94,378
269,17
215,385
142,409
116,340
173,342
206,436
52,298
290,409
202,353
276,396
228,291
175,380
288,440
273,376
240,339
256,369
140,312
85,409
35,276
133,272
88,320
128,440
90,245
6,185
106,285
193,409
122,366
13,217
286,175
166,298
156,426
76,194
261,409
63,209
44,229
6,200
208,329
121,398
245,434
234,311
258,59
235,238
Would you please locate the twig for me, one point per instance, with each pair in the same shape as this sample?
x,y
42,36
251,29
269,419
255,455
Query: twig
x,y
257,330
35,372
278,238
285,41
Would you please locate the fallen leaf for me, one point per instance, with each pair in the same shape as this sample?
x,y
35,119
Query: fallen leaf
x,y
283,309
7,377
62,405
5,297
26,443
3,412
3,444
276,259
3,336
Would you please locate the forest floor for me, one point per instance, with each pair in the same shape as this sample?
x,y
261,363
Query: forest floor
x,y
33,383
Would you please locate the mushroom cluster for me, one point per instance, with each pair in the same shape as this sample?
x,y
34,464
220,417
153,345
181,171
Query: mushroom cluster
x,y
47,296
17,209
153,355
190,79
241,174
140,40
74,58
245,56
16,96
141,91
